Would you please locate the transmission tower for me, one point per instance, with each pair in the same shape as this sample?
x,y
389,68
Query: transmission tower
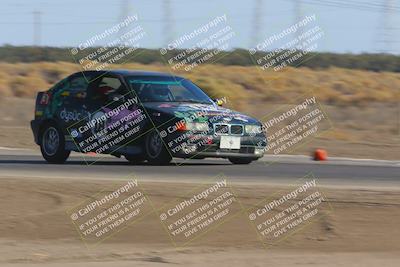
x,y
257,21
168,22
123,14
37,26
298,16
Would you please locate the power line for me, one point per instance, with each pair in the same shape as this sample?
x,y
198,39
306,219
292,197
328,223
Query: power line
x,y
385,38
361,3
350,4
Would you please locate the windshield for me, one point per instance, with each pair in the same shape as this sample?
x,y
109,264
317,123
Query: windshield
x,y
167,89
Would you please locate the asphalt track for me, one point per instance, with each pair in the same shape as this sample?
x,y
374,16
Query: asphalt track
x,y
271,169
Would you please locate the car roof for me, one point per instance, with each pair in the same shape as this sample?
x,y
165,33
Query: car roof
x,y
135,73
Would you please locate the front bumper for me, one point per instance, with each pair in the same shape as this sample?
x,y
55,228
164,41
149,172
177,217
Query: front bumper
x,y
210,153
209,146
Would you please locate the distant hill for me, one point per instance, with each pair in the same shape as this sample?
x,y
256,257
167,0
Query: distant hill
x,y
238,57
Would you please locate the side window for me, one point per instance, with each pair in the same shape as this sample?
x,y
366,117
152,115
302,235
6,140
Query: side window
x,y
78,85
75,85
60,86
102,93
68,95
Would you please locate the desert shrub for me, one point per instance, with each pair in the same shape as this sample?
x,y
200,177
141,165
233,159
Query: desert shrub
x,y
241,85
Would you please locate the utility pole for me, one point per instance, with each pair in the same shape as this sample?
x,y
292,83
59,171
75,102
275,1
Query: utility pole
x,y
37,26
256,22
168,23
124,13
298,15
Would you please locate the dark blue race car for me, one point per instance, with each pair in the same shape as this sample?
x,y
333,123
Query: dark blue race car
x,y
141,116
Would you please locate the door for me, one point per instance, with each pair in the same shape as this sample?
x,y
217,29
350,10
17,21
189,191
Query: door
x,y
114,116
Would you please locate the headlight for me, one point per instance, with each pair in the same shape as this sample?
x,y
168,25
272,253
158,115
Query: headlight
x,y
197,126
253,129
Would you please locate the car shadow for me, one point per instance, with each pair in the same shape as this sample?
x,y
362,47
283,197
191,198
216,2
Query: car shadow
x,y
107,163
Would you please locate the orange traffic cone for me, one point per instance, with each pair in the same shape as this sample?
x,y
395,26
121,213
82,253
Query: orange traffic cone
x,y
320,154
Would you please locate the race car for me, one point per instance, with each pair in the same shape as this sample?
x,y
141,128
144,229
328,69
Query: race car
x,y
143,116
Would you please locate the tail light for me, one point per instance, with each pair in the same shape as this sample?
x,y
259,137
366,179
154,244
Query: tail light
x,y
44,98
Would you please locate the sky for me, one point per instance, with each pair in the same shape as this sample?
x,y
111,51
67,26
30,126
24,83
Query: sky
x,y
349,26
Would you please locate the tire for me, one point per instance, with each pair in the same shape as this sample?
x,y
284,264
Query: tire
x,y
135,159
155,150
241,160
52,144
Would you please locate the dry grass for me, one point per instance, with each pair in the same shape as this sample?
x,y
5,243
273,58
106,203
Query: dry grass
x,y
240,84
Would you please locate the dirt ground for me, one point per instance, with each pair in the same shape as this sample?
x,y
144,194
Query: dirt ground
x,y
360,228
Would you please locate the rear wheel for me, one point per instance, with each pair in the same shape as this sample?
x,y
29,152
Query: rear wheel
x,y
156,152
241,160
52,144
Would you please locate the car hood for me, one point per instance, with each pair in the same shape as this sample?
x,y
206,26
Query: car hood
x,y
201,112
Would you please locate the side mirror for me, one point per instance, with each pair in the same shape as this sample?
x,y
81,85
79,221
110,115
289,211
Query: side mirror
x,y
219,102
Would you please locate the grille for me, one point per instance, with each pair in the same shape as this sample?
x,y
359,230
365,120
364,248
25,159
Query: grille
x,y
237,129
221,129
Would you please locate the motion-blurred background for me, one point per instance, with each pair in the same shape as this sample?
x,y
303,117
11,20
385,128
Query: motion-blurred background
x,y
354,71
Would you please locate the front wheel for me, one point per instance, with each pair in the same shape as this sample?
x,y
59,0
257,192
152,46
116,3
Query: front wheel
x,y
241,160
156,152
52,144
